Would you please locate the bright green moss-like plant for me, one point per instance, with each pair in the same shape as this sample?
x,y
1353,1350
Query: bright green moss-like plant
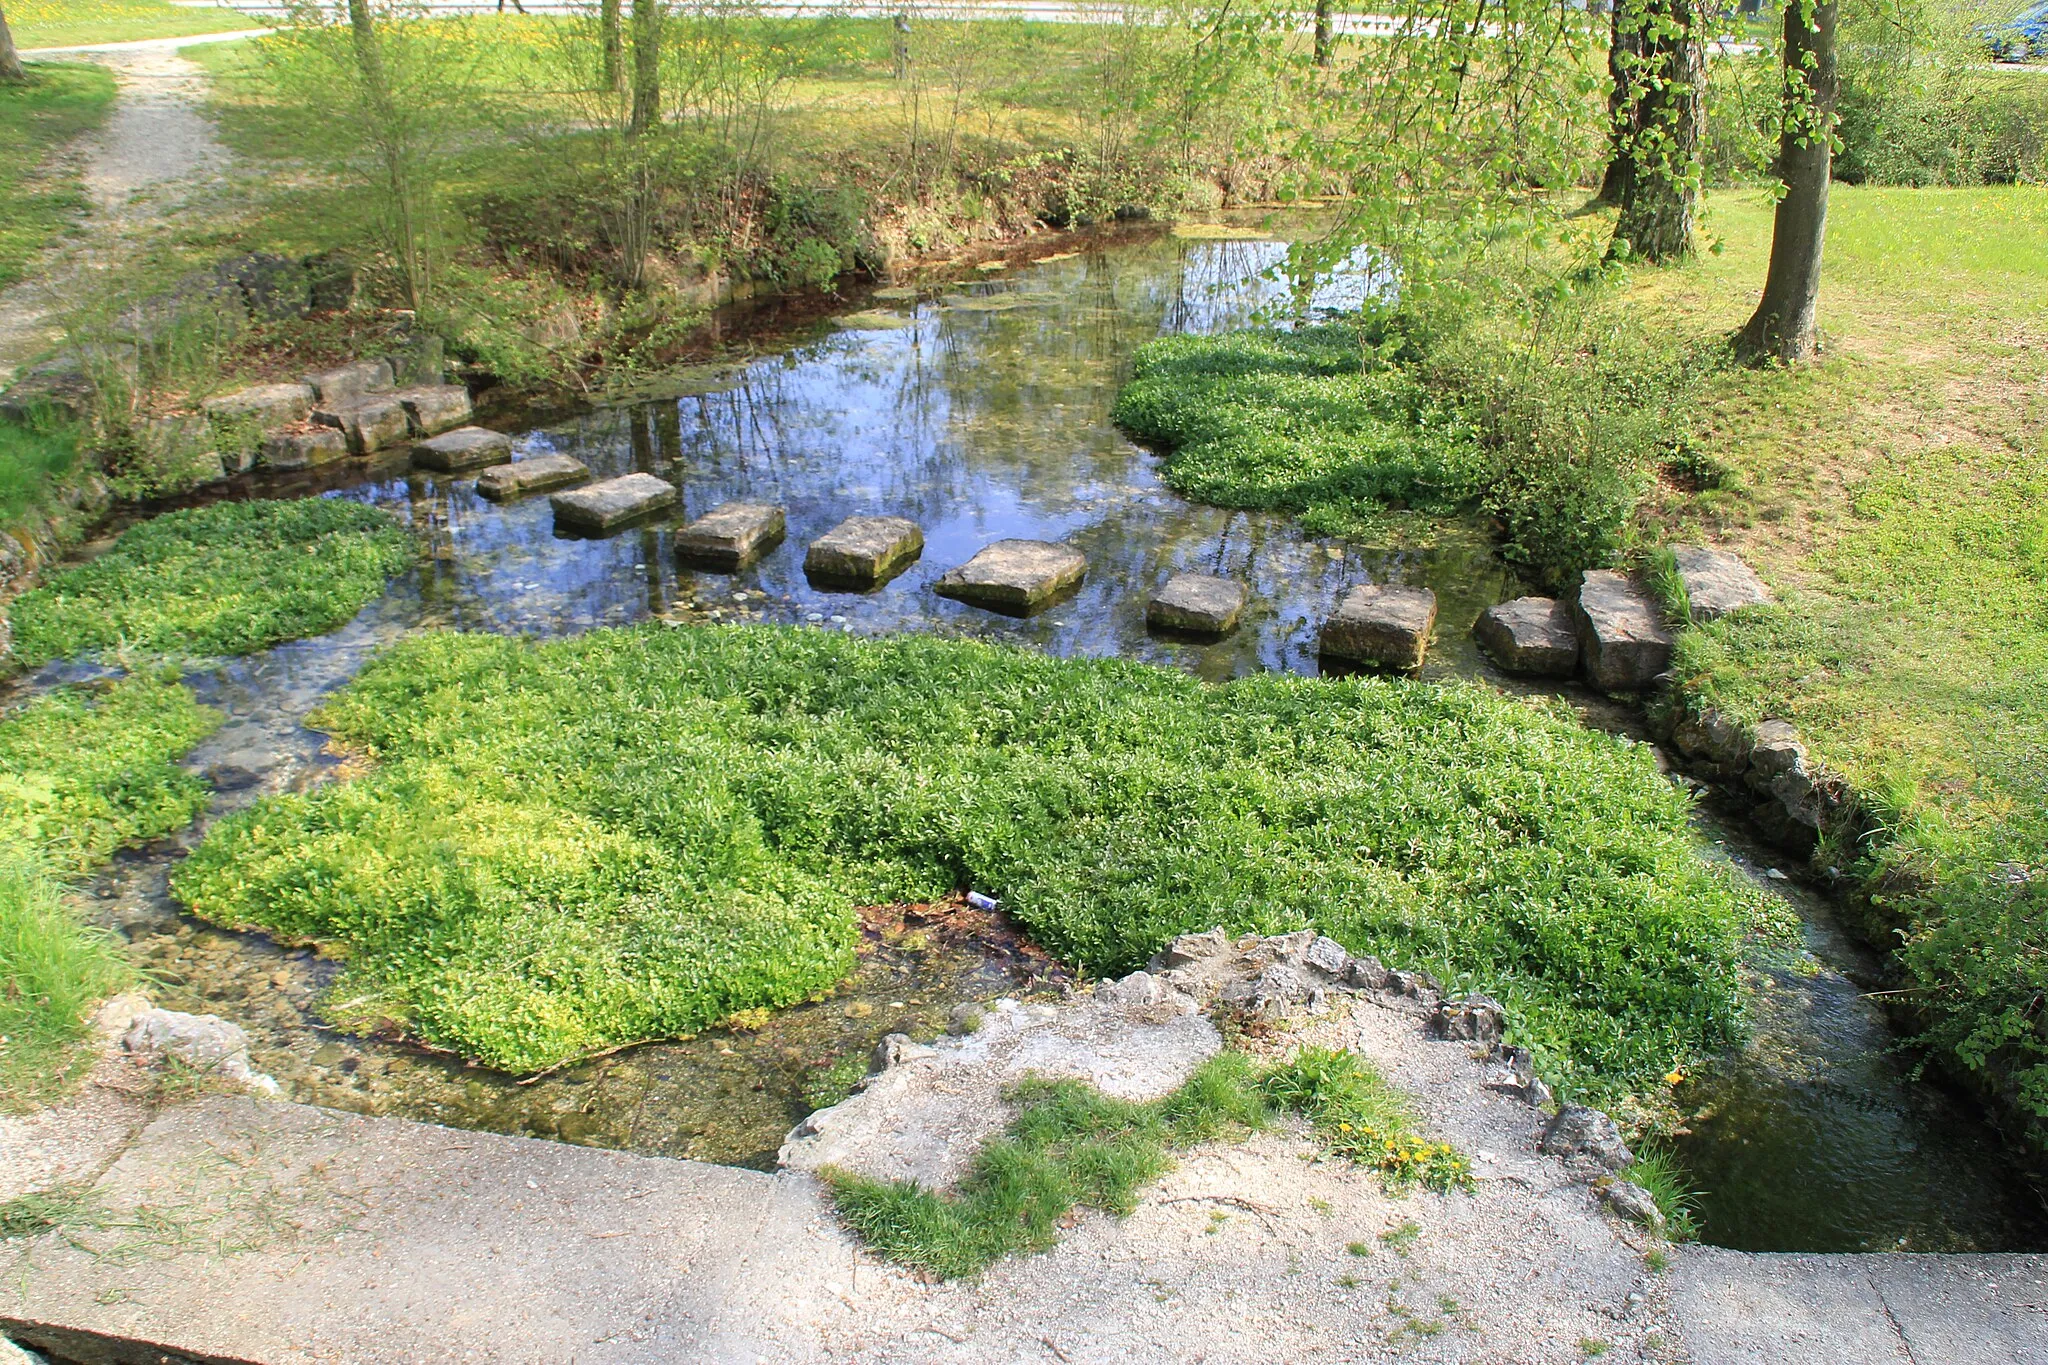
x,y
230,578
637,833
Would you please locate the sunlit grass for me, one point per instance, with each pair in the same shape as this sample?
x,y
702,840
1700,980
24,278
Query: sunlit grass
x,y
39,196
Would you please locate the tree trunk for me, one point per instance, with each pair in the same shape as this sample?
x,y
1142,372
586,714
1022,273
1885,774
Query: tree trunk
x,y
1624,54
613,41
1783,325
646,64
10,61
899,46
1667,87
1322,32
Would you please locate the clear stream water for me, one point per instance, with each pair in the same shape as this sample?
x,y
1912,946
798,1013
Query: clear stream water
x,y
981,410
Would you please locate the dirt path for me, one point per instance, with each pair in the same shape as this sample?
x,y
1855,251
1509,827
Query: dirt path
x,y
155,152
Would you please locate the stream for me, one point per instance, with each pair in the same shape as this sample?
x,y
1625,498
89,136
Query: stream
x,y
980,409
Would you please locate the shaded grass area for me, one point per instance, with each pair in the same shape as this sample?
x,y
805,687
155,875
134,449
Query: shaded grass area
x,y
1070,1145
1895,496
633,834
82,772
69,23
37,202
1553,421
229,578
32,459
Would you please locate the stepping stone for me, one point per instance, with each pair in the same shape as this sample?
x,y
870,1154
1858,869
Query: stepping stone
x,y
1016,577
537,475
436,408
864,551
370,423
732,535
613,502
264,408
463,448
1534,635
303,449
353,380
1198,603
1625,644
1716,582
1383,625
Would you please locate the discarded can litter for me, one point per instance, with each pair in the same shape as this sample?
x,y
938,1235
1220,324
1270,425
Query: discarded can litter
x,y
981,902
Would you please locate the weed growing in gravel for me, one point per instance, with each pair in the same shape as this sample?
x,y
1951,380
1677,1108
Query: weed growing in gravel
x,y
1360,1117
1657,1171
230,578
631,834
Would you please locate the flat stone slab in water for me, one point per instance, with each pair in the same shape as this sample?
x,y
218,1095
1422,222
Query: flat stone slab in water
x,y
1625,643
302,449
352,380
864,550
1199,603
613,502
1531,635
463,448
1015,576
1717,582
732,535
1385,625
536,475
436,408
370,423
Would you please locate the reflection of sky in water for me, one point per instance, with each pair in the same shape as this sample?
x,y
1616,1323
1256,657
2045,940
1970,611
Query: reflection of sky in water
x,y
983,414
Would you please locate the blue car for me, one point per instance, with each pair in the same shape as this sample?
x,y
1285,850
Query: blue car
x,y
2024,39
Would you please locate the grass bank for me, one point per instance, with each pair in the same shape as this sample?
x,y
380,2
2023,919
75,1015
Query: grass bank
x,y
568,846
229,578
82,772
1894,495
41,195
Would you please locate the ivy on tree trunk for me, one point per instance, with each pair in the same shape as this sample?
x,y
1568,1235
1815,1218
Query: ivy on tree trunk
x,y
1666,83
1783,326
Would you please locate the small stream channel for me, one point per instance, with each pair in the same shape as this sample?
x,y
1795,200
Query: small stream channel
x,y
981,410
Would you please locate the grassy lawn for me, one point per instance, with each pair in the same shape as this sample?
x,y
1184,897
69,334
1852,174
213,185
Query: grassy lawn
x,y
1896,496
572,845
38,199
71,23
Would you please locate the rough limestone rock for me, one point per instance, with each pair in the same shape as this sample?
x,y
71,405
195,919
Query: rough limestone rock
x,y
204,1042
1475,1019
332,278
1586,1139
864,551
272,288
1530,635
1015,577
421,362
895,1050
534,475
302,449
612,502
264,408
56,388
1774,751
1383,625
732,535
371,423
1632,1202
463,448
350,381
1713,738
436,408
1625,644
1513,1072
1717,582
1200,604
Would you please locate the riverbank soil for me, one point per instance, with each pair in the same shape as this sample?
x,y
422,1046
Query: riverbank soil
x,y
1894,494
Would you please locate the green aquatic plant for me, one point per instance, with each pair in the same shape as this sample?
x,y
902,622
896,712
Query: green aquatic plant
x,y
630,834
229,578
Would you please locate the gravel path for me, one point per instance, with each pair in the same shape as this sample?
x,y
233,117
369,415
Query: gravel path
x,y
154,153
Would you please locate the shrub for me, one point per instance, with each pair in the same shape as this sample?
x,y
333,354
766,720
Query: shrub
x,y
226,579
636,833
